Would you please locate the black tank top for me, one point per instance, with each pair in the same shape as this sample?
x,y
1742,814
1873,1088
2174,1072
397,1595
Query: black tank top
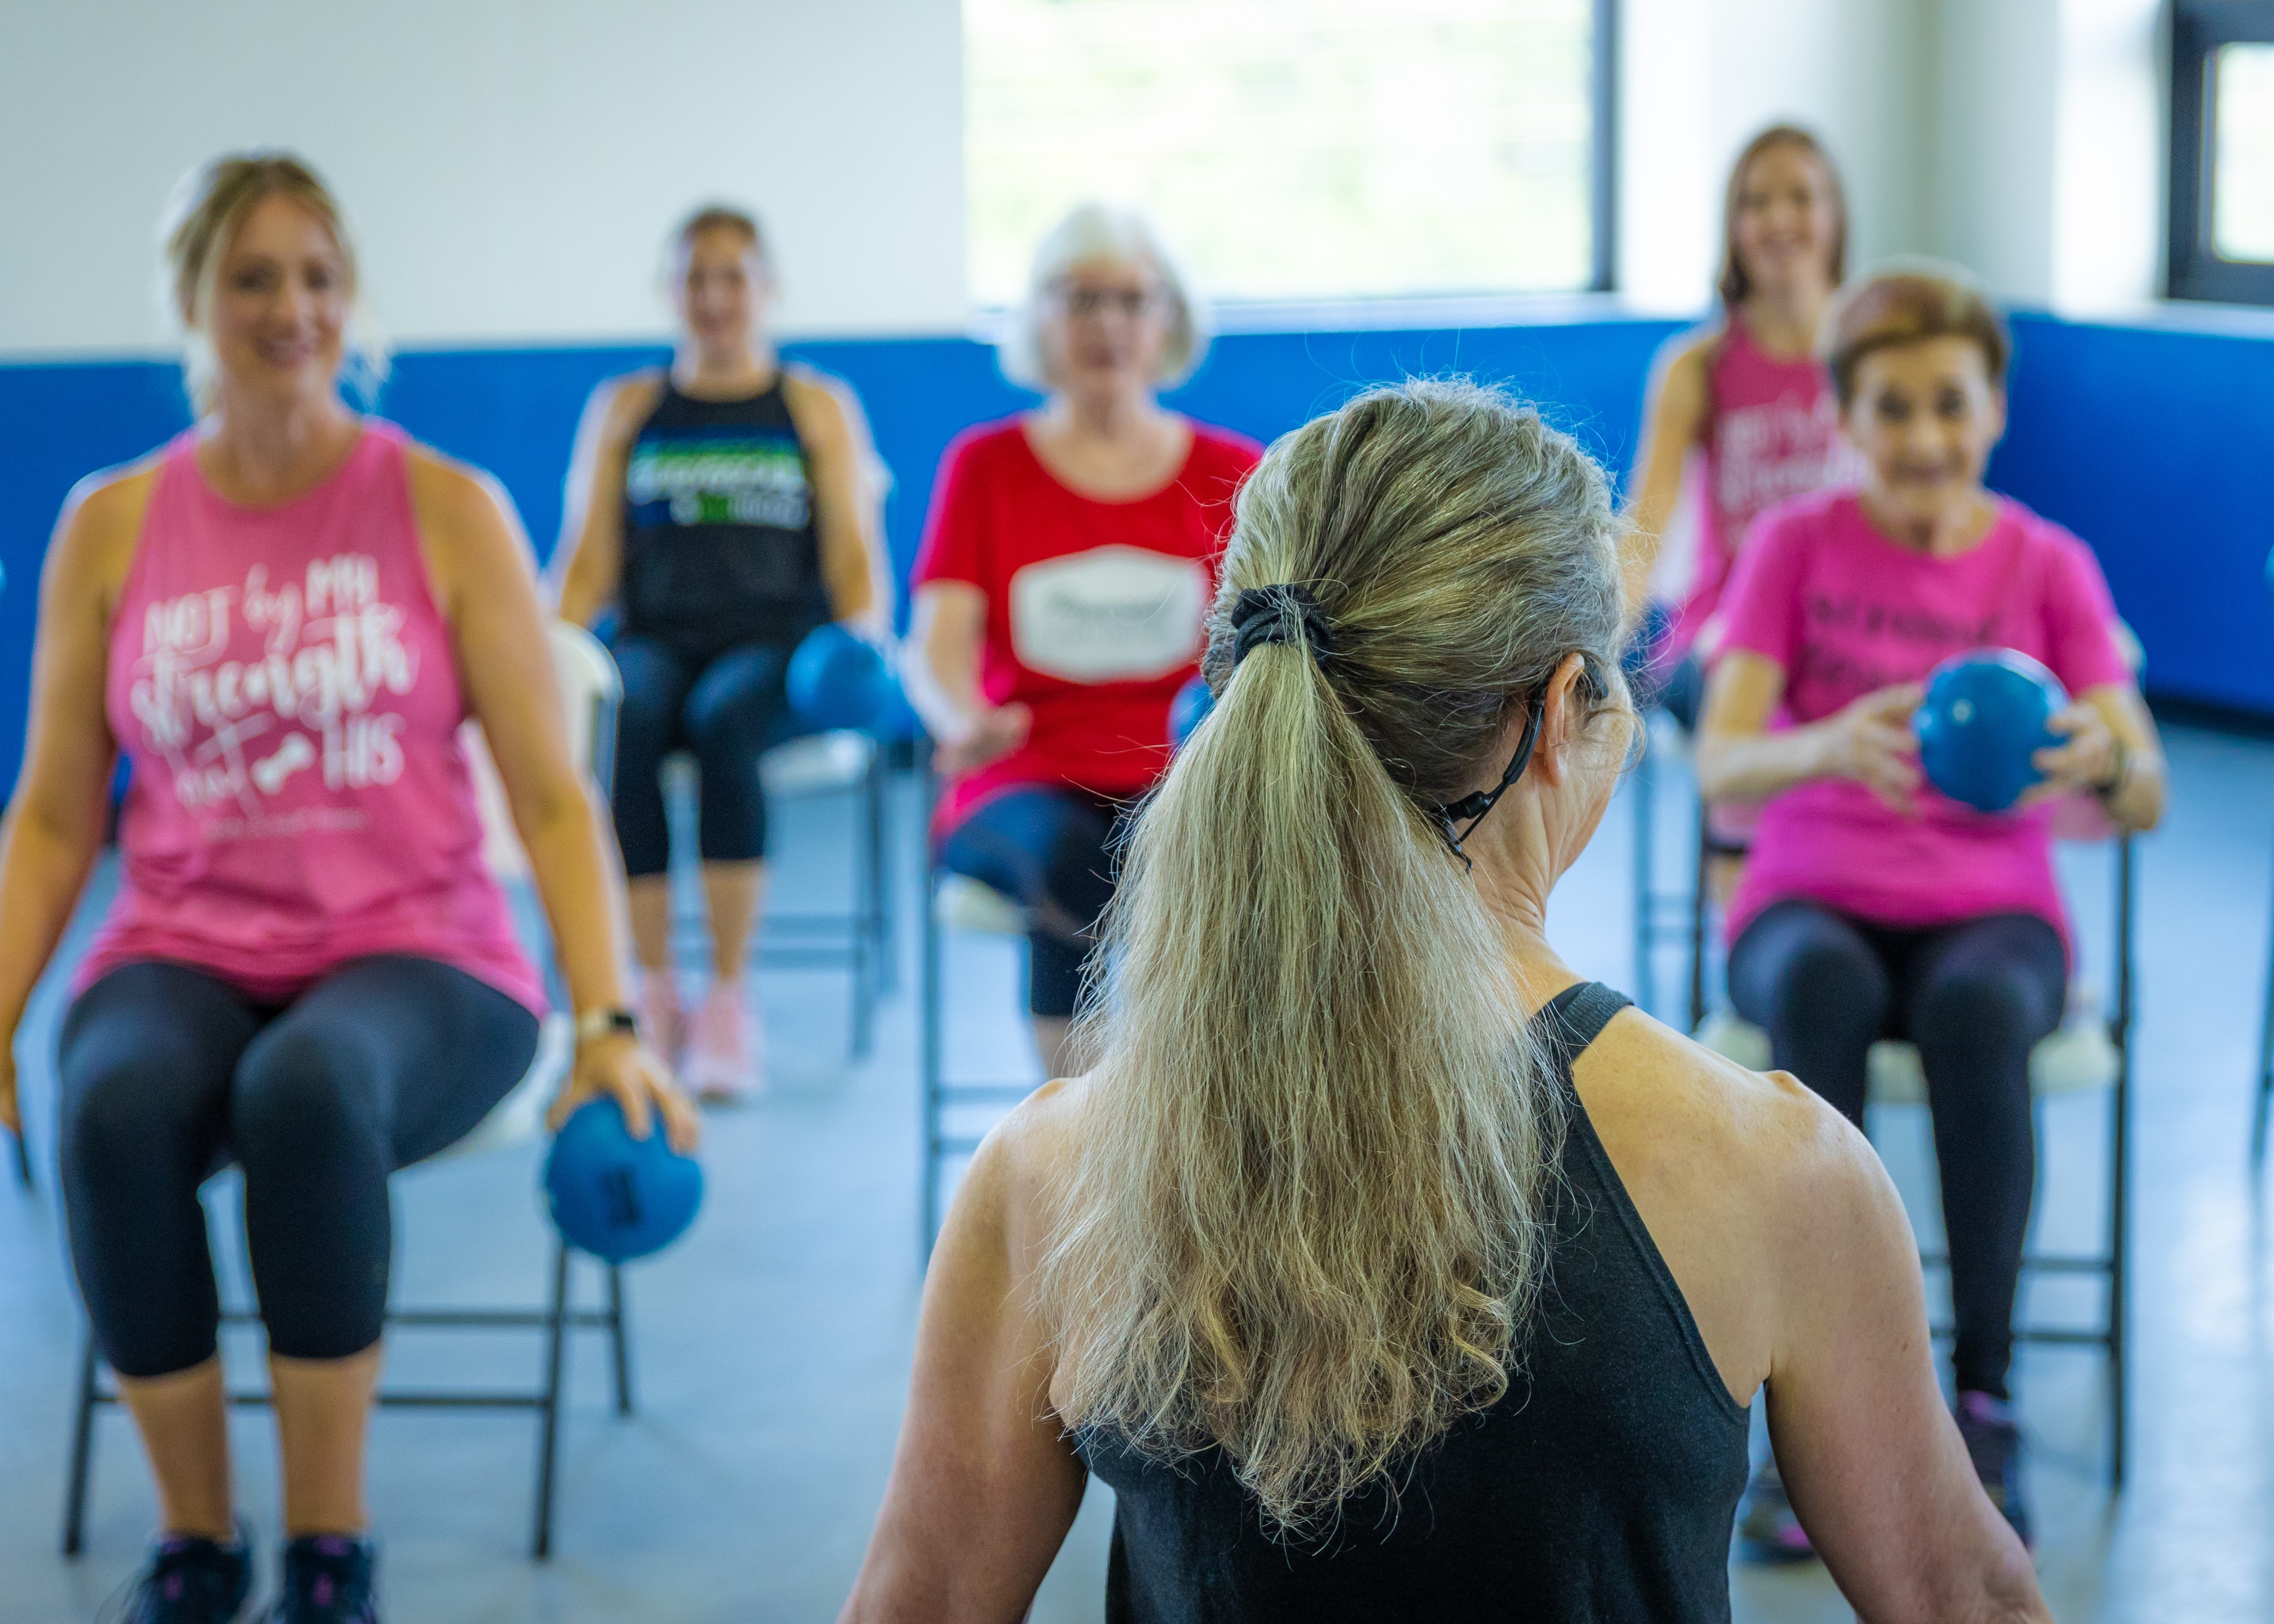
x,y
718,539
1602,1487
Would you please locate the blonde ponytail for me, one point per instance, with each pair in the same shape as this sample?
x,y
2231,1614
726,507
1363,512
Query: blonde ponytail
x,y
1306,1222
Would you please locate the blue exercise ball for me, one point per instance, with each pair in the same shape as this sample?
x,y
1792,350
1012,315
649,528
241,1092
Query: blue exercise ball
x,y
614,1196
1188,710
1984,715
837,679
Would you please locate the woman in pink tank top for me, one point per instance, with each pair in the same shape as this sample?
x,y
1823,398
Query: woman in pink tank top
x,y
1746,401
281,620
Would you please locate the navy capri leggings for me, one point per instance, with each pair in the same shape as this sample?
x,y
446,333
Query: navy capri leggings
x,y
168,1074
726,709
1050,849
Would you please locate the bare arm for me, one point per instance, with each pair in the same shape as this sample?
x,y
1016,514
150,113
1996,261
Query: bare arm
x,y
940,670
846,505
589,555
1871,1457
1672,422
1739,759
481,568
985,1485
54,825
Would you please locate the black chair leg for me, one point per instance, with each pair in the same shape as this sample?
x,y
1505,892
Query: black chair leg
x,y
620,1331
1641,784
927,1205
82,1453
548,1436
2265,1071
24,1162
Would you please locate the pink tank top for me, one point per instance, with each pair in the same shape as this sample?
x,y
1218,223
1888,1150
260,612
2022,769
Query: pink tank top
x,y
1771,431
282,681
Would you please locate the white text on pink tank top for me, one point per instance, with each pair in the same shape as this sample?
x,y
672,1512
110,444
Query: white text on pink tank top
x,y
331,653
1780,448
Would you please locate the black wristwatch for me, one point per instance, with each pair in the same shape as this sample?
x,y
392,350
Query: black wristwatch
x,y
595,1024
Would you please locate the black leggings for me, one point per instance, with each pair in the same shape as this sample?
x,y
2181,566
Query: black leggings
x,y
168,1074
1975,997
727,709
1050,849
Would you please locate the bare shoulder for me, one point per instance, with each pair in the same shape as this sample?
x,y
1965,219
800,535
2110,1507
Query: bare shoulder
x,y
619,404
1018,1165
1681,372
825,407
451,497
1765,1132
101,520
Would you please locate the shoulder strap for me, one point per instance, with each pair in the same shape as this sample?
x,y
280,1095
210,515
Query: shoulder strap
x,y
1575,1017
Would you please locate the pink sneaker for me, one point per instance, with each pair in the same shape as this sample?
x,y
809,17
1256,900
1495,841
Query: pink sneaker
x,y
725,1048
663,1019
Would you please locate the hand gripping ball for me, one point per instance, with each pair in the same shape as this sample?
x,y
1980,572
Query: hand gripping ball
x,y
1985,713
614,1196
1188,710
837,679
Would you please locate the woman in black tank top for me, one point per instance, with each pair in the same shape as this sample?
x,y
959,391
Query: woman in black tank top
x,y
723,508
1382,1268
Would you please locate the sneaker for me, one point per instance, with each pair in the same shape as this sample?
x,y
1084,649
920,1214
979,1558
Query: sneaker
x,y
190,1580
725,1048
1767,1530
1994,1441
328,1580
662,1019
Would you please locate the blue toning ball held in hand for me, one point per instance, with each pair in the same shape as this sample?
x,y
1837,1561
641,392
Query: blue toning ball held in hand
x,y
1984,715
614,1196
1188,710
839,679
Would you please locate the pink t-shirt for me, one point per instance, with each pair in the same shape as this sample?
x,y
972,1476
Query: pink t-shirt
x,y
1772,432
282,680
1845,612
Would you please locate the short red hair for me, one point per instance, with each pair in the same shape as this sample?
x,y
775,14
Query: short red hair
x,y
1909,306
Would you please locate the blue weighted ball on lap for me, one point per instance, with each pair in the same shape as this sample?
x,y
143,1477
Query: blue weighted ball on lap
x,y
837,679
1984,715
1188,710
614,1196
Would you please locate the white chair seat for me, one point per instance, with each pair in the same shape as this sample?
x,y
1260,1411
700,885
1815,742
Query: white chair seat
x,y
815,763
964,904
2075,1058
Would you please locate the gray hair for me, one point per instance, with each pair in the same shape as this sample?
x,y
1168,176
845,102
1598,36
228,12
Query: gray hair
x,y
1098,231
1306,1219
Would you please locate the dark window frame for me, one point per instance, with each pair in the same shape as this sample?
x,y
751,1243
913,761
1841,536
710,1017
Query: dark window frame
x,y
1603,211
2199,28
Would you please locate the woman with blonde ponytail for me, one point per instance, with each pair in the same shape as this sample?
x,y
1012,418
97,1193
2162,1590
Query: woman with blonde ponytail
x,y
1384,1268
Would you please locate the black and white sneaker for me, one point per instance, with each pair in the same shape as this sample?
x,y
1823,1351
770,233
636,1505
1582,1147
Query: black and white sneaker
x,y
329,1579
1993,1440
189,1580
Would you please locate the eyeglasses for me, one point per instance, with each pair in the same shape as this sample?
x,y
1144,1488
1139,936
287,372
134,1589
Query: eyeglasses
x,y
1128,302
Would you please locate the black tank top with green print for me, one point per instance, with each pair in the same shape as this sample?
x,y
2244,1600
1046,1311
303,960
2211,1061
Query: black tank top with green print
x,y
719,546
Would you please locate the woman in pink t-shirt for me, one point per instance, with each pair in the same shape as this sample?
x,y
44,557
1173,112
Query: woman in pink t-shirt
x,y
1747,398
1069,562
1872,905
281,620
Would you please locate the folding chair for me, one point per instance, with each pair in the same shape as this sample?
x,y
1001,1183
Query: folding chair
x,y
952,901
2080,1057
590,692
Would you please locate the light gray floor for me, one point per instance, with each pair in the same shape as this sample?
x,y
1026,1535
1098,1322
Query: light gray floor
x,y
773,1344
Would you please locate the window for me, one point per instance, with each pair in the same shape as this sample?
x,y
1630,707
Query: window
x,y
2222,193
1299,149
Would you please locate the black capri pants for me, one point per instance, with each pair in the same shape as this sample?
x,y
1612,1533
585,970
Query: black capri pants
x,y
1975,997
726,708
1050,848
170,1073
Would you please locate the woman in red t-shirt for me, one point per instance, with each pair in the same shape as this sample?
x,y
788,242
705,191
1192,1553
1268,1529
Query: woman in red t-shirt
x,y
1070,557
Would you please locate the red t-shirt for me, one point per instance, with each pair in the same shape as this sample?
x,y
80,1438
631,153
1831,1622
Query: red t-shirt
x,y
1093,608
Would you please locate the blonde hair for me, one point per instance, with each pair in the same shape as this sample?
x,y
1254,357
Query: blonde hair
x,y
201,220
1096,231
1308,1215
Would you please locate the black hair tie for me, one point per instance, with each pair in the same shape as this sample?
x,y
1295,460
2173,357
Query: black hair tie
x,y
1260,615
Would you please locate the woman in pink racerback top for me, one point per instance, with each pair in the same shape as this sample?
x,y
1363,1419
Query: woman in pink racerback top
x,y
281,620
1746,400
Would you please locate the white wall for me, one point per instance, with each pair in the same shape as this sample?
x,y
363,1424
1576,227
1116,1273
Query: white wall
x,y
512,166
1699,77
